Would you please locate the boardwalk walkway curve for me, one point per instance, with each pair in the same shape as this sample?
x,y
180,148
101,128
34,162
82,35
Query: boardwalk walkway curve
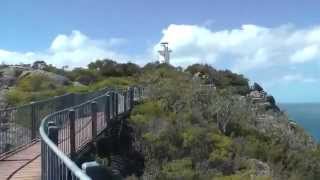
x,y
73,122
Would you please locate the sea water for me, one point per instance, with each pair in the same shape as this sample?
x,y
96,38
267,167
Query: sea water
x,y
306,115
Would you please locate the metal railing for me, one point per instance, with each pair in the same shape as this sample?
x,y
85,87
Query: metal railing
x,y
19,125
65,133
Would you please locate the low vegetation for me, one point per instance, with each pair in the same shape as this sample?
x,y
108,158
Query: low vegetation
x,y
186,132
99,74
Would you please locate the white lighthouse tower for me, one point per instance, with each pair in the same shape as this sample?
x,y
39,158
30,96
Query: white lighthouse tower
x,y
165,53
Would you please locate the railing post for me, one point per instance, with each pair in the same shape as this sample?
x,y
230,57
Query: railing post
x,y
53,132
112,105
33,121
72,118
140,93
125,101
72,99
131,97
49,164
94,110
117,104
107,109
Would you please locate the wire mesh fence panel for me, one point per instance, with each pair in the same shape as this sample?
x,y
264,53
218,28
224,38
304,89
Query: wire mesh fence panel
x,y
66,132
15,128
101,104
82,125
19,126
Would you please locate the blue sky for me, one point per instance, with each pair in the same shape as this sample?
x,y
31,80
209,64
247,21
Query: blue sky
x,y
276,43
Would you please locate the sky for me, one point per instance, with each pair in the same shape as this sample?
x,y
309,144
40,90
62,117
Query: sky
x,y
275,43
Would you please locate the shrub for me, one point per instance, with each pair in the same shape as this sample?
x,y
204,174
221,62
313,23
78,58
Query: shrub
x,y
178,169
221,147
244,176
33,83
84,76
15,97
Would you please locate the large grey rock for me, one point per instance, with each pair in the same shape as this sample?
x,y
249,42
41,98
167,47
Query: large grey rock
x,y
259,168
9,75
8,78
78,84
60,80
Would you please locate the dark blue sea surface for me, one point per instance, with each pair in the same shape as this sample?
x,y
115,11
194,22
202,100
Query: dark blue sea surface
x,y
305,114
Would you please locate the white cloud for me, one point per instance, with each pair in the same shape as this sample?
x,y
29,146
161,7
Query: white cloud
x,y
298,78
308,53
249,47
74,50
263,54
270,56
66,43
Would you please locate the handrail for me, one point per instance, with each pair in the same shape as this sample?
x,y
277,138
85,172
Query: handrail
x,y
19,125
65,159
57,156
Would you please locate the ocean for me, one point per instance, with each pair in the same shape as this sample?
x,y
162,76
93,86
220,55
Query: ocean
x,y
305,114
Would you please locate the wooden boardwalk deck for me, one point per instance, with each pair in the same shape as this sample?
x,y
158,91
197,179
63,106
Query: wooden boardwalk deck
x,y
25,163
22,164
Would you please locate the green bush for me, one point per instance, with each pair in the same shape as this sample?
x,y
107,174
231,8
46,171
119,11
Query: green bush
x,y
15,97
18,97
191,136
33,88
245,176
84,76
32,83
222,147
178,169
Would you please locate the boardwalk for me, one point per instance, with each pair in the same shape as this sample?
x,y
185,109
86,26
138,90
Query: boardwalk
x,y
25,163
22,164
72,131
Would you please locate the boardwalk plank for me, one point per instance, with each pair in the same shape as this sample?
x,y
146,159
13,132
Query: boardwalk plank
x,y
26,164
19,159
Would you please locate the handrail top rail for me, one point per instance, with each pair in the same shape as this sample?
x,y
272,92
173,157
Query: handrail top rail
x,y
66,160
70,164
49,143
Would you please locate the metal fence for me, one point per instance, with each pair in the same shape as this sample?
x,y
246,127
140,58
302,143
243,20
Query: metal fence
x,y
66,132
19,125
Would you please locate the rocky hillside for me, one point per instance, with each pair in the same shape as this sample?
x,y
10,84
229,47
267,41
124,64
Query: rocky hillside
x,y
27,79
225,131
272,121
197,123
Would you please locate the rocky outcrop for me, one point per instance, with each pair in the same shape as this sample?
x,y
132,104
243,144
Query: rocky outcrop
x,y
262,99
256,87
272,122
260,168
10,75
60,80
8,78
78,84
